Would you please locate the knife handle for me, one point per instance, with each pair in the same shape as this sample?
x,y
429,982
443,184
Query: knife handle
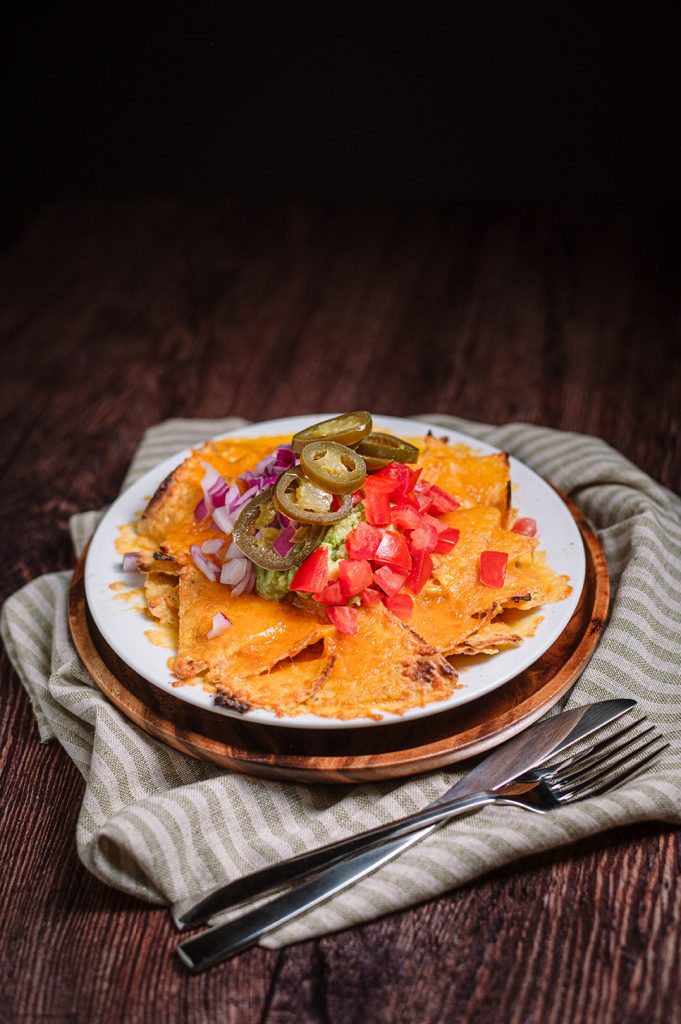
x,y
225,940
192,911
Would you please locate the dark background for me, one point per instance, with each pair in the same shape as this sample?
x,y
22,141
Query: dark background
x,y
505,102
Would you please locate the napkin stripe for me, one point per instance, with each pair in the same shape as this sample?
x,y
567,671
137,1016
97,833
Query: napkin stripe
x,y
160,825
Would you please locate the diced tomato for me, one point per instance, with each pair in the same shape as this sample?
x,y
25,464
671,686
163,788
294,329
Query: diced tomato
x,y
400,605
441,501
333,594
493,568
424,538
355,576
344,619
400,476
432,498
363,541
422,495
421,570
357,497
378,484
377,508
437,523
313,573
335,503
388,580
371,597
405,517
393,552
415,474
447,539
527,527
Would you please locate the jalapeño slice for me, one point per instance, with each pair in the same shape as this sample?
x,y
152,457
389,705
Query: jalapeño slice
x,y
347,429
299,498
333,467
378,450
253,534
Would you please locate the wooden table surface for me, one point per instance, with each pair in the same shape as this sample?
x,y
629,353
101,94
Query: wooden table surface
x,y
117,315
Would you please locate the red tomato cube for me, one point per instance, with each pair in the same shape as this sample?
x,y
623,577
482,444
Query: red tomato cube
x,y
388,580
424,538
333,594
313,573
421,571
493,568
363,541
526,527
393,552
344,619
446,540
377,508
400,477
405,517
355,576
400,605
371,597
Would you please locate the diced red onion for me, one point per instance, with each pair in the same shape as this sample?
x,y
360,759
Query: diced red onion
x,y
218,493
215,489
201,511
248,582
283,520
285,458
284,542
233,552
130,561
208,568
224,519
220,624
211,547
233,572
264,466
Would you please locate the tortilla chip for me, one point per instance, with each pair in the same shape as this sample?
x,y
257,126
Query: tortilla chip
x,y
262,633
162,593
471,479
384,667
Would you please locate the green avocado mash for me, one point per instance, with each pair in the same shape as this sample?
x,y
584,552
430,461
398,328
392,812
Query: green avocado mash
x,y
274,585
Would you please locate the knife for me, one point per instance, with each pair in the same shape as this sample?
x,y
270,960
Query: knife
x,y
349,858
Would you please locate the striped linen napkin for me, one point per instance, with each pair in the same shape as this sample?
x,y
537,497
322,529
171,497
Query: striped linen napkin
x,y
161,825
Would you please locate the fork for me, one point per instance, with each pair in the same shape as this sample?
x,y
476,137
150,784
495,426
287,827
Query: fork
x,y
587,774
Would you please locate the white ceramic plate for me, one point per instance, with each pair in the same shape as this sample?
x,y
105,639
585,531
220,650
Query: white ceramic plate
x,y
123,626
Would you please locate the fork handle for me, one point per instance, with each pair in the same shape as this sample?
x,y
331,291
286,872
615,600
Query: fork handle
x,y
192,911
225,940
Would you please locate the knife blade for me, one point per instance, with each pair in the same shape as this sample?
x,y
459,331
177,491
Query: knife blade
x,y
536,744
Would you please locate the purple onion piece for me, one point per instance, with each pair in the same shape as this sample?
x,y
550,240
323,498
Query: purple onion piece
x,y
130,561
208,568
233,572
284,542
212,547
201,511
220,624
233,552
224,519
248,582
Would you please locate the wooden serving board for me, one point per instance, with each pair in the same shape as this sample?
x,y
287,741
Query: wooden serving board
x,y
362,754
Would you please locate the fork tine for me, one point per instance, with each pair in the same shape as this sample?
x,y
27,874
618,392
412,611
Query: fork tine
x,y
605,765
586,757
586,770
610,780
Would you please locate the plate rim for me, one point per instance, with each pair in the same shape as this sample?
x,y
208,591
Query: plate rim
x,y
262,716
